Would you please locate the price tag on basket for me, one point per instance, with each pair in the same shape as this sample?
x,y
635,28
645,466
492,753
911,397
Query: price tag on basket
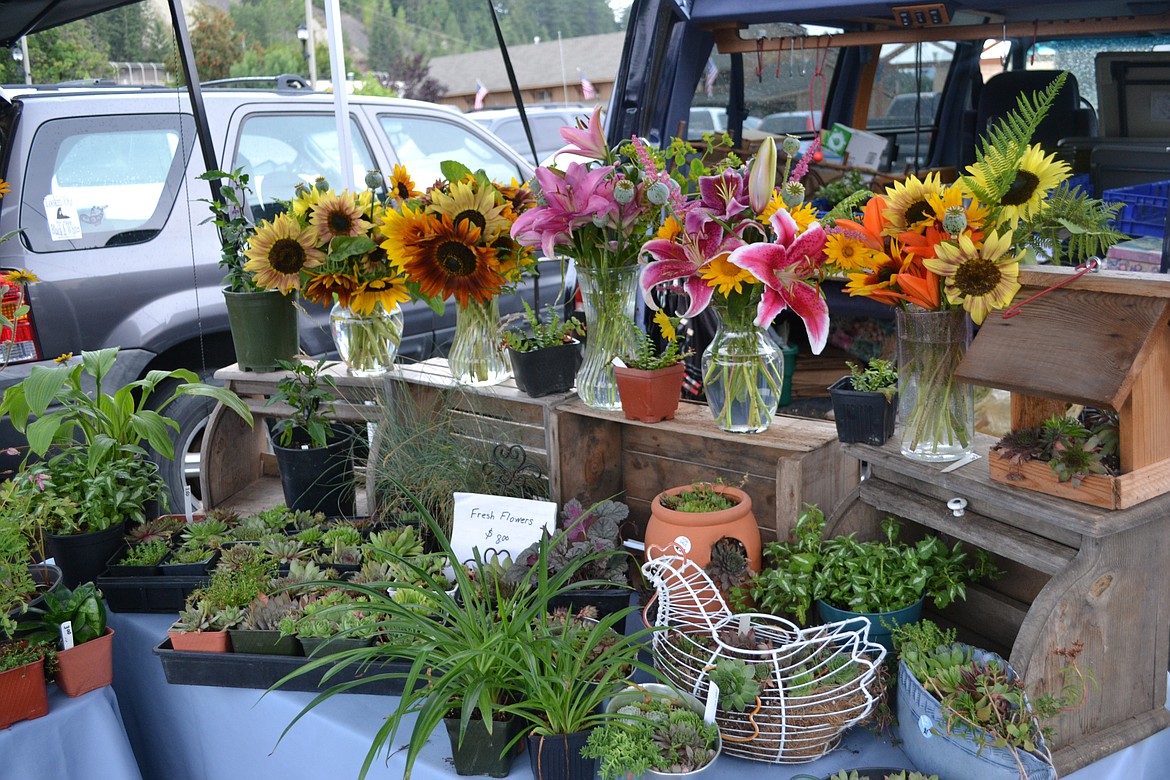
x,y
498,523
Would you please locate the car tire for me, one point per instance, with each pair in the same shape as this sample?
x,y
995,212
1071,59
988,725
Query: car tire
x,y
191,413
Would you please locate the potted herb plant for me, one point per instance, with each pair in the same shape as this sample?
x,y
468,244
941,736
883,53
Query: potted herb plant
x,y
138,560
95,476
650,379
263,322
89,663
22,582
314,454
865,403
886,580
23,694
703,512
660,734
545,356
964,712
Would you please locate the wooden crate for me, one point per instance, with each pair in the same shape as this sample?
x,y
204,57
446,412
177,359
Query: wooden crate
x,y
602,455
1102,340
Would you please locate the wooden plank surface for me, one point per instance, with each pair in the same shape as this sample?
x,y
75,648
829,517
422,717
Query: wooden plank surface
x,y
1123,492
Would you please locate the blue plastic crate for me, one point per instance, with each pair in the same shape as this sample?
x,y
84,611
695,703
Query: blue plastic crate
x,y
1143,211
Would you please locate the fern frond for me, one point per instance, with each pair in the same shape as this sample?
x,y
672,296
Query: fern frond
x,y
1071,228
846,208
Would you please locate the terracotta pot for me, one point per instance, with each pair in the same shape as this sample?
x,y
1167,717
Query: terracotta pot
x,y
23,695
650,396
201,641
87,667
702,529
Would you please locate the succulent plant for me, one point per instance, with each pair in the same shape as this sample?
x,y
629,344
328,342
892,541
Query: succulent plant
x,y
401,541
208,532
265,612
158,528
250,529
738,687
190,552
200,615
728,568
341,534
371,572
284,549
146,553
310,536
341,553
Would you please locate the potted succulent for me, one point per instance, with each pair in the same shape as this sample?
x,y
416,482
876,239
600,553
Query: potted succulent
x,y
89,663
703,513
334,621
886,580
263,322
98,476
138,560
865,403
650,379
314,454
23,693
259,632
545,356
202,627
964,712
660,734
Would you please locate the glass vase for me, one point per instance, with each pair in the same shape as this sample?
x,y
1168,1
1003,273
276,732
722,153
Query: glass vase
x,y
743,370
936,410
366,343
476,357
609,295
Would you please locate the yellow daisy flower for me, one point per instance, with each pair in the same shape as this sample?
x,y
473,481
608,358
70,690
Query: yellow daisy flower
x,y
4,188
980,278
388,291
669,230
404,231
401,185
848,254
1036,175
665,325
907,204
466,201
338,215
63,357
21,276
725,277
279,250
774,205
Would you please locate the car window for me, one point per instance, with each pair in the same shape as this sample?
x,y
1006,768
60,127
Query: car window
x,y
422,144
280,151
103,181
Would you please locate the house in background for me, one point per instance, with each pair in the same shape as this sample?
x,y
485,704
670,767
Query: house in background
x,y
555,71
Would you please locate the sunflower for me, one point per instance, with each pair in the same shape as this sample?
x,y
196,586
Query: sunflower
x,y
451,262
665,325
323,286
401,185
338,215
404,231
390,291
4,188
725,277
878,282
468,202
848,254
955,197
305,200
518,198
1036,175
908,206
279,251
980,278
20,276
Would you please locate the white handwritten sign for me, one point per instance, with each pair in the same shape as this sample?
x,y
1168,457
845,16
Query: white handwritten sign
x,y
498,523
61,214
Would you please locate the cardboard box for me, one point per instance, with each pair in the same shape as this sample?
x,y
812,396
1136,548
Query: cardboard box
x,y
861,149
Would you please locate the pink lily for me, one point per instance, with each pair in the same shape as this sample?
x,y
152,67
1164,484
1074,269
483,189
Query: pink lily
x,y
762,177
571,199
588,141
725,195
785,266
682,259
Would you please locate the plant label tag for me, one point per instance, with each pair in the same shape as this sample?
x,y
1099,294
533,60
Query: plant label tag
x,y
187,501
711,703
66,635
498,524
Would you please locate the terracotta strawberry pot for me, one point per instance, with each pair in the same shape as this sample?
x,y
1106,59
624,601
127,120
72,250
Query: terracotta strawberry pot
x,y
702,529
201,641
23,695
650,396
86,667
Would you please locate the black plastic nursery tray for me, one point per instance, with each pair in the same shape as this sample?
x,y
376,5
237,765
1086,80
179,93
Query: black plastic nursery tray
x,y
247,670
148,594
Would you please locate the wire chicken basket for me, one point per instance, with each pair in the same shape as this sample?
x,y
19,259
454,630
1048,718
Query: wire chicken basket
x,y
815,683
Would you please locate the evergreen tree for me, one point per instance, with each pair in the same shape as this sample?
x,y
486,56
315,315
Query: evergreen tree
x,y
215,41
123,30
65,53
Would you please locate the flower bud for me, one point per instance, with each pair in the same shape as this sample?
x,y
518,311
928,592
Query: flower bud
x,y
658,193
624,191
791,146
792,194
954,220
374,179
301,188
600,220
321,184
762,178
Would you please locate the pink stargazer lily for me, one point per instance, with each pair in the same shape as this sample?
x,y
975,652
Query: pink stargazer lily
x,y
572,200
785,266
588,141
724,196
682,258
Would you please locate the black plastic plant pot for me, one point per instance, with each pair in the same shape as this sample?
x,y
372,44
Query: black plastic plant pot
x,y
558,757
114,568
171,568
82,557
263,642
862,417
481,753
320,479
545,371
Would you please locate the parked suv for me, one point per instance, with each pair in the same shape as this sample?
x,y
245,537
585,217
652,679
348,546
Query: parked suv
x,y
104,187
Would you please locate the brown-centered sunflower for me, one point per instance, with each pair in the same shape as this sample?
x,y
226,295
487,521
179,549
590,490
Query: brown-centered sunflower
x,y
880,281
401,185
322,286
452,262
390,291
4,188
908,206
338,215
1036,175
981,278
279,251
404,231
469,202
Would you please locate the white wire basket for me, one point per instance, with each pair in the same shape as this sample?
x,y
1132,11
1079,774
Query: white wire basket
x,y
815,683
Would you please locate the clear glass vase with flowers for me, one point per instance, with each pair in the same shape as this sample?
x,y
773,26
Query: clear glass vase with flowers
x,y
947,255
600,213
326,248
749,250
453,241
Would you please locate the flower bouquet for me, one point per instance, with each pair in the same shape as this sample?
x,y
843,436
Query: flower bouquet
x,y
948,254
750,250
453,241
325,247
600,213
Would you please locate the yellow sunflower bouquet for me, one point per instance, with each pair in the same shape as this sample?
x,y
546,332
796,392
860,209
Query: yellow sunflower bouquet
x,y
453,241
925,246
326,247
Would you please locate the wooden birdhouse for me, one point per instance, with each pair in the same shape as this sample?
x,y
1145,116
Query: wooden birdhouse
x,y
1101,340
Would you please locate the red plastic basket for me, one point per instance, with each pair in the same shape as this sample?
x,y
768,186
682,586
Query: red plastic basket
x,y
1143,211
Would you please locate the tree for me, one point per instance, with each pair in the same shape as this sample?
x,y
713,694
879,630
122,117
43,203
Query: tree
x,y
414,73
123,30
273,61
215,41
63,54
